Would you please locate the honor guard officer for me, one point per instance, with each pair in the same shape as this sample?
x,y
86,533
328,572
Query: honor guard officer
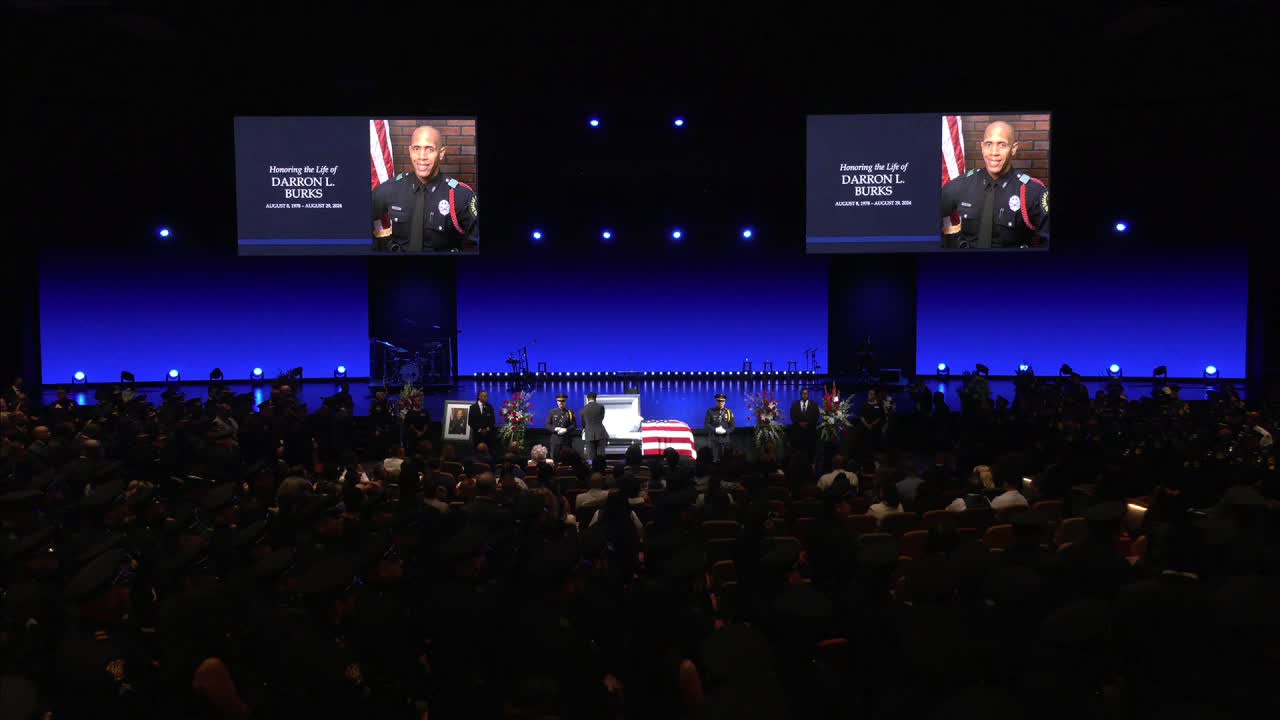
x,y
561,422
719,425
998,206
424,210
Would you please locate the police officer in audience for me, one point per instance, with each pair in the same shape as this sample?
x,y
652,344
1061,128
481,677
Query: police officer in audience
x,y
998,206
719,425
562,423
428,211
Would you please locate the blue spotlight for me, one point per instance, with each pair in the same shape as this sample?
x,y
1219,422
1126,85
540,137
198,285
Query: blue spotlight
x,y
256,375
1122,226
340,371
1113,370
537,234
606,235
164,232
173,376
1211,371
676,234
679,122
78,378
1024,369
594,122
746,233
943,369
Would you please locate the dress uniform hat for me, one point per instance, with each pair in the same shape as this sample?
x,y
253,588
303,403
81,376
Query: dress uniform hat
x,y
562,396
720,396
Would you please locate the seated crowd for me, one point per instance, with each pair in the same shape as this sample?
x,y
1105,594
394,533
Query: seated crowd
x,y
1060,556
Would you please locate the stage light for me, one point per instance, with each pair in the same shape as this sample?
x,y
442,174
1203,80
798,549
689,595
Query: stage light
x,y
1211,371
537,234
943,369
78,378
164,232
606,235
746,234
1121,227
982,370
1113,370
676,234
340,371
126,376
1024,368
594,122
1161,371
256,375
216,375
678,122
173,376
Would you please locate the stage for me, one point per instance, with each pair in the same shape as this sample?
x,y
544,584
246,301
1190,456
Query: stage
x,y
686,400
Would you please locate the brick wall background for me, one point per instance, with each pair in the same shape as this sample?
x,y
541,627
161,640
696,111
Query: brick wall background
x,y
459,137
1033,142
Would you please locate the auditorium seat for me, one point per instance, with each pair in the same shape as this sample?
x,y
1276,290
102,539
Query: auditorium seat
x,y
1005,515
1138,549
859,506
1051,509
444,478
778,493
721,572
934,518
998,536
859,524
806,508
1071,530
898,524
721,549
980,519
969,534
778,507
453,468
913,544
718,529
875,538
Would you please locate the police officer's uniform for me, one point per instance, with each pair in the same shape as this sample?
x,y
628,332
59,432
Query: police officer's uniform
x,y
440,215
718,417
1011,211
560,418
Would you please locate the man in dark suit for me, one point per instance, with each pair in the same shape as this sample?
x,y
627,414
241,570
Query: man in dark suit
x,y
482,419
594,435
804,425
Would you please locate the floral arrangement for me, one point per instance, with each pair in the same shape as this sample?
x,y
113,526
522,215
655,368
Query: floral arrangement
x,y
518,414
833,418
409,400
767,414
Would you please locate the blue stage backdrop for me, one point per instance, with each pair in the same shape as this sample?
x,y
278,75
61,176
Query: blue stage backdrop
x,y
685,309
104,312
1184,310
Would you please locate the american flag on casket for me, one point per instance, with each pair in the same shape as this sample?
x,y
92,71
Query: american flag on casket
x,y
658,435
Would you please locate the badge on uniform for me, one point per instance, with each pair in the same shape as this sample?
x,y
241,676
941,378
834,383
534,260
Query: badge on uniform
x,y
1015,204
443,207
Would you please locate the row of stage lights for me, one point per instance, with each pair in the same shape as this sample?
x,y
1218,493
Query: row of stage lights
x,y
216,375
607,235
587,375
1113,370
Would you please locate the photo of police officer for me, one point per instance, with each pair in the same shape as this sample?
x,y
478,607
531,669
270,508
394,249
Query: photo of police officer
x,y
995,193
429,203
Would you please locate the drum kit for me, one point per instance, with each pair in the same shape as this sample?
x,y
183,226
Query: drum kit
x,y
427,364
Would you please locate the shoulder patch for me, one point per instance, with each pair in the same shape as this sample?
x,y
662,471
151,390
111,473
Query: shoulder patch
x,y
1044,201
475,212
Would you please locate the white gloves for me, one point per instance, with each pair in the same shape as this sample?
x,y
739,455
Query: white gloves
x,y
720,431
561,431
